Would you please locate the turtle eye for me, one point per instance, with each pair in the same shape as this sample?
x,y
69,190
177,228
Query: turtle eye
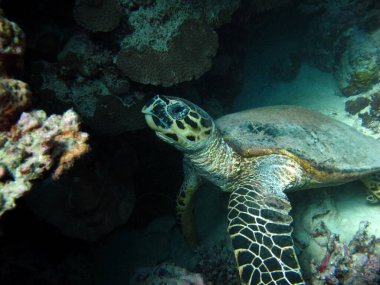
x,y
178,111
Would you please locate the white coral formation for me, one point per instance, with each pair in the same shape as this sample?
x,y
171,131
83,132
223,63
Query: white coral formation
x,y
35,145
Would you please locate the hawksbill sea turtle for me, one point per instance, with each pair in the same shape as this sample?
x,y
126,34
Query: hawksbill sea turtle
x,y
258,156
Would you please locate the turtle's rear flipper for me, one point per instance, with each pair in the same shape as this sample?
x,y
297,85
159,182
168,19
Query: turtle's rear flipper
x,y
372,182
260,231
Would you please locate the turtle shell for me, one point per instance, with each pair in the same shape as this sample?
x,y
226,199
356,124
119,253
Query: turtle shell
x,y
326,144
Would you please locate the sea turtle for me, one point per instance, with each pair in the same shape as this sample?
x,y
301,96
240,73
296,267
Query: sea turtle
x,y
259,155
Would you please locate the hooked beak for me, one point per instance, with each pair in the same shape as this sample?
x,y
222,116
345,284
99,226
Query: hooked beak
x,y
150,117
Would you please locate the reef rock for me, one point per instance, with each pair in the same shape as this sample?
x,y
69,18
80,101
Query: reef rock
x,y
97,196
337,235
15,97
355,263
35,145
98,15
165,274
187,57
344,39
86,78
12,43
172,41
358,69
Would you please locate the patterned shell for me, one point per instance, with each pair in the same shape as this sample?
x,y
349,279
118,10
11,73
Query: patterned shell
x,y
327,144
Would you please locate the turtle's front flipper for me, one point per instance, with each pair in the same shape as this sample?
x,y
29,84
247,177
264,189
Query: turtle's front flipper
x,y
372,182
259,224
185,204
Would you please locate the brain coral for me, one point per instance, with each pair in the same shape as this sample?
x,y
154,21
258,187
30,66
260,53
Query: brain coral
x,y
98,15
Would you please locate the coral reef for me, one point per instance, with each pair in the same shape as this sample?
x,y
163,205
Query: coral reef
x,y
35,145
98,15
86,78
371,114
354,264
15,97
97,196
356,105
217,264
12,44
165,274
260,6
155,43
358,64
344,39
176,63
172,41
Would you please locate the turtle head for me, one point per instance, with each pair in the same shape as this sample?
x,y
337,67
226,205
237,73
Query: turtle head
x,y
178,122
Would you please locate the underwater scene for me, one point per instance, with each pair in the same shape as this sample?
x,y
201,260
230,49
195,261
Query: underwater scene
x,y
179,142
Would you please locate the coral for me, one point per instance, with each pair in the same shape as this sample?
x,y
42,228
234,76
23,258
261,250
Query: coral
x,y
15,97
217,264
356,105
344,39
358,65
35,145
94,199
81,54
12,43
172,41
165,274
354,264
177,63
86,78
267,5
371,115
98,15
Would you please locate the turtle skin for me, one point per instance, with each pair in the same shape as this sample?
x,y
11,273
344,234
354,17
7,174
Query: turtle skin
x,y
258,156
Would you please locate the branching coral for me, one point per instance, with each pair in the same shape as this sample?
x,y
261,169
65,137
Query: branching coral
x,y
35,145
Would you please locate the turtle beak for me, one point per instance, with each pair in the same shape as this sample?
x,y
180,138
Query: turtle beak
x,y
147,109
150,117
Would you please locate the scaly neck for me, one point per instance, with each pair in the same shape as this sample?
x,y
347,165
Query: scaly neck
x,y
217,161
